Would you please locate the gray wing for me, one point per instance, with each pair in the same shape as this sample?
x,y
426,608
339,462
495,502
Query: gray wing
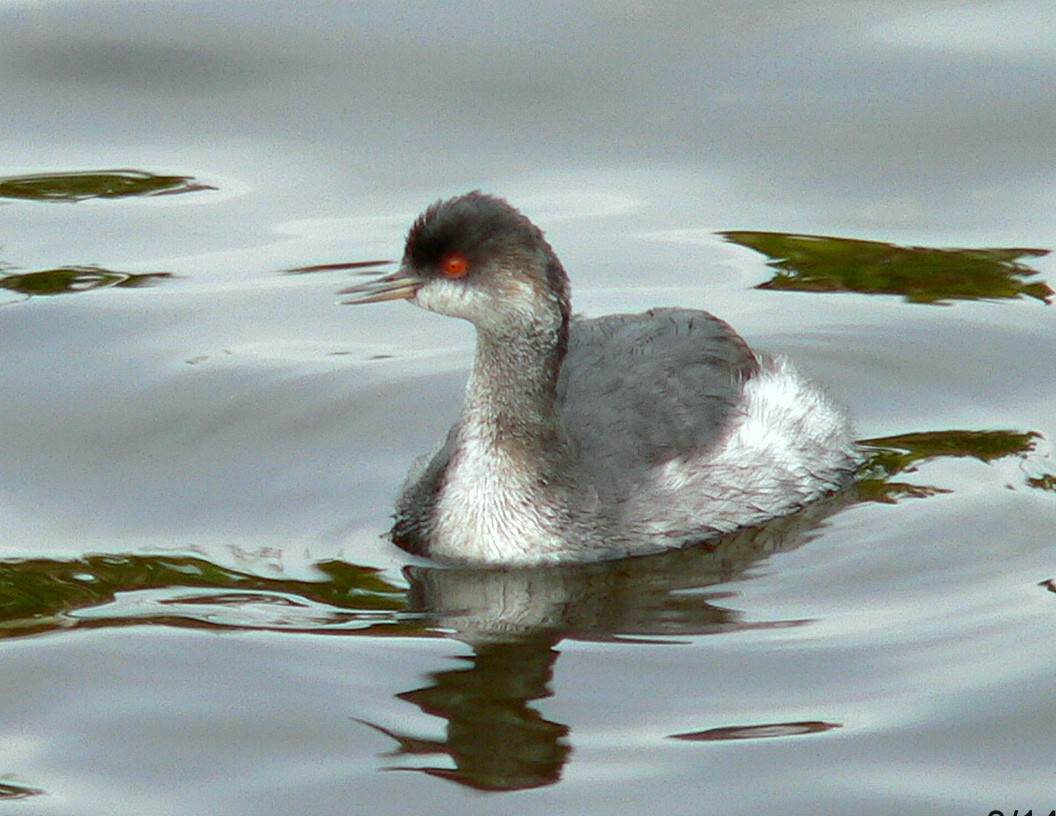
x,y
637,390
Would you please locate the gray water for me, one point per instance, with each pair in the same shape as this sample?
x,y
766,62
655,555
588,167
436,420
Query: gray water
x,y
199,610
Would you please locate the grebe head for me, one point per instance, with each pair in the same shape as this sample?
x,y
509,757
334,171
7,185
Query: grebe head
x,y
477,258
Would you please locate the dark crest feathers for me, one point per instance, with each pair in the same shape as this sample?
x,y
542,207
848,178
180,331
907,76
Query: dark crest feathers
x,y
472,224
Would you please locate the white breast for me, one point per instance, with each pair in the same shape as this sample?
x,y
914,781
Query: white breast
x,y
488,510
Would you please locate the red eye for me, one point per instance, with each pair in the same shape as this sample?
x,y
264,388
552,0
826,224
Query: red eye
x,y
454,265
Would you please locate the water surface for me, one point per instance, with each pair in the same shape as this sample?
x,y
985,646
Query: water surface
x,y
198,610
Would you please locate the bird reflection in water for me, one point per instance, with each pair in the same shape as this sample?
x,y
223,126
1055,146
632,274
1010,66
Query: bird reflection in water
x,y
496,738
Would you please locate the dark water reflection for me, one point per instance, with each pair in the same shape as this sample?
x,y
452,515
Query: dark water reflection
x,y
42,595
495,738
12,790
814,263
758,731
70,279
83,185
336,267
894,455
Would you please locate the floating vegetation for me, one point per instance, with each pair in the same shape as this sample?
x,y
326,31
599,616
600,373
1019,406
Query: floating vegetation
x,y
813,263
69,279
79,186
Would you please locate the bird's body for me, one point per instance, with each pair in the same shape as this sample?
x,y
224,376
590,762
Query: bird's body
x,y
590,439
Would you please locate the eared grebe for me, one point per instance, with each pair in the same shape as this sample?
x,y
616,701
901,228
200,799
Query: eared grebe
x,y
580,439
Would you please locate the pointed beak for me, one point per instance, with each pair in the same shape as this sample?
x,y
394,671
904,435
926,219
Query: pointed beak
x,y
400,285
